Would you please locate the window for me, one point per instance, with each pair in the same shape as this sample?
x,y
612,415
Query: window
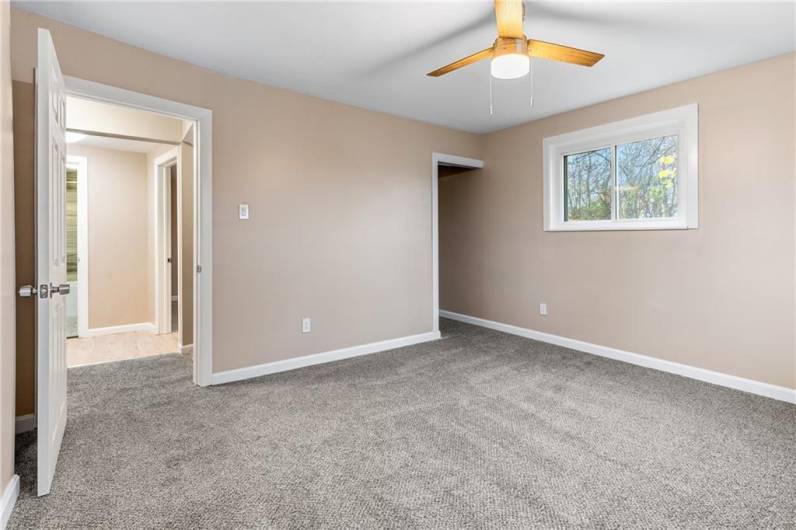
x,y
636,174
71,224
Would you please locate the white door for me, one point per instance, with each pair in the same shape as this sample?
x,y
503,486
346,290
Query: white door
x,y
50,260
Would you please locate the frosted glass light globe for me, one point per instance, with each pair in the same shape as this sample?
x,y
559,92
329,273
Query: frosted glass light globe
x,y
510,66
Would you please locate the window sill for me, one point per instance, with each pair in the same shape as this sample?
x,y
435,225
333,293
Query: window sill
x,y
610,226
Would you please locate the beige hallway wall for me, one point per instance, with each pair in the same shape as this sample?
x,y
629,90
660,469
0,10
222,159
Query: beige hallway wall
x,y
720,297
340,198
118,237
7,274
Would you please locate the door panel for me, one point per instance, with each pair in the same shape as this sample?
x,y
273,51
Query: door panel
x,y
50,260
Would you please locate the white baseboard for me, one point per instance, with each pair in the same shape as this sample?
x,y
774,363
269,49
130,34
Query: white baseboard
x,y
717,378
124,328
185,350
8,500
320,358
25,423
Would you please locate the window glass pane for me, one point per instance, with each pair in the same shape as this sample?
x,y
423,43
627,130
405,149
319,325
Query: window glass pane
x,y
71,225
646,177
587,186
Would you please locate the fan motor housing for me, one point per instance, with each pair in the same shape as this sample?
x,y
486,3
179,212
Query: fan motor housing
x,y
505,46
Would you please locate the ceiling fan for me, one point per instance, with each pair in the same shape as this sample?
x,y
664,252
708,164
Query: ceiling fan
x,y
512,50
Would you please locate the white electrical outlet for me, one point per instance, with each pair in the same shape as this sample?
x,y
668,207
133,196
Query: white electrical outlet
x,y
243,211
543,309
306,325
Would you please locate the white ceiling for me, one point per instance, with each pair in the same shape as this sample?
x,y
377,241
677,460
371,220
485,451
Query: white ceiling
x,y
375,54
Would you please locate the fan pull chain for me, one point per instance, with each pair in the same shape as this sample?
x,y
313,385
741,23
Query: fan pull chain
x,y
491,108
530,77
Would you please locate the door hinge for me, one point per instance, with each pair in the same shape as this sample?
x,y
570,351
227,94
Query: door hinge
x,y
198,269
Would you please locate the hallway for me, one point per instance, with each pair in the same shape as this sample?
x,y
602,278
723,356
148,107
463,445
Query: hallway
x,y
118,347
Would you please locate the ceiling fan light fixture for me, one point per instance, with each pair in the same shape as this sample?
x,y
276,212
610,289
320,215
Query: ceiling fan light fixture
x,y
511,52
510,59
510,66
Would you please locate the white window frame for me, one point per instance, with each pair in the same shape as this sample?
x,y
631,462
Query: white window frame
x,y
681,121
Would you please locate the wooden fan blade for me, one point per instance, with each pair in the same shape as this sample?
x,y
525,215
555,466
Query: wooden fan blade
x,y
558,52
461,63
509,15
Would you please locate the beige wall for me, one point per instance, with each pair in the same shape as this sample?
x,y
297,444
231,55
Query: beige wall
x,y
340,227
720,297
186,258
7,276
118,239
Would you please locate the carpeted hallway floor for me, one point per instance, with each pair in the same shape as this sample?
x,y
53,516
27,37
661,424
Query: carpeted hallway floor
x,y
477,430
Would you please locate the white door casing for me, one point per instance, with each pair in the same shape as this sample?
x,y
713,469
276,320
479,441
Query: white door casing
x,y
163,191
50,260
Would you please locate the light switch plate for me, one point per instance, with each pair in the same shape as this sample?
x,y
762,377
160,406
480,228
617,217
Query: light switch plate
x,y
243,211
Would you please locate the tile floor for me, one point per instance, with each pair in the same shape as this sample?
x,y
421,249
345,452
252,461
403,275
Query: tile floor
x,y
118,347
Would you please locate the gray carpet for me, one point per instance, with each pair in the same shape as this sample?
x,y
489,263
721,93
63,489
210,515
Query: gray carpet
x,y
477,430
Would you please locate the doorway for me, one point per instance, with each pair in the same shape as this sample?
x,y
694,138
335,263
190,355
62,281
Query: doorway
x,y
174,242
173,260
167,260
51,128
109,230
442,166
197,133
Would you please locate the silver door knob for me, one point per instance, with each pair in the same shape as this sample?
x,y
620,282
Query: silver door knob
x,y
59,289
